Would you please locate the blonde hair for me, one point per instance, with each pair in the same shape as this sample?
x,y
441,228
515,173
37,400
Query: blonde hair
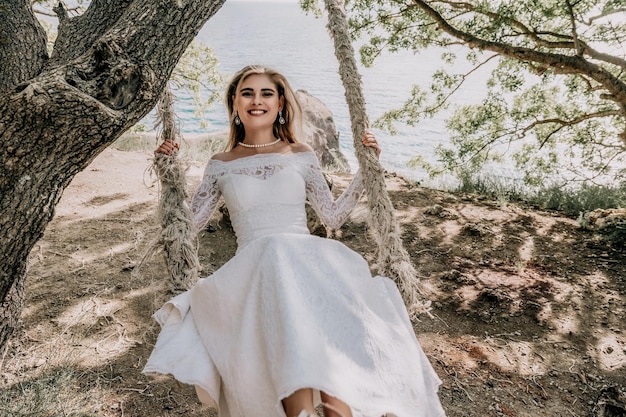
x,y
292,112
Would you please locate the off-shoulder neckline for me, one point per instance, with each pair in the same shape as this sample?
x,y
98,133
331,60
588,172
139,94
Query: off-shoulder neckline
x,y
258,155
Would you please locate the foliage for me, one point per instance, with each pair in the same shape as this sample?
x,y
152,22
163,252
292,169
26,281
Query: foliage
x,y
197,72
555,99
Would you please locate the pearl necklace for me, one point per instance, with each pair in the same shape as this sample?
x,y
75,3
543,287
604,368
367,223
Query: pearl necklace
x,y
259,145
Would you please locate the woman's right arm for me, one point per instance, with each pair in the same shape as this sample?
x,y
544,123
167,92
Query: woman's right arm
x,y
207,195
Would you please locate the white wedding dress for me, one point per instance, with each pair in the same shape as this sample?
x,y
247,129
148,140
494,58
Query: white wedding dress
x,y
290,310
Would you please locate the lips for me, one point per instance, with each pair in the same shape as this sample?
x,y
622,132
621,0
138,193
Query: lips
x,y
257,112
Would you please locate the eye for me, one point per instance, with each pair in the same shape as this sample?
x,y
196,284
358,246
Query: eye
x,y
268,93
246,94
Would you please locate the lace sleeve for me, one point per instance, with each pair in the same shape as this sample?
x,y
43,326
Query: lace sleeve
x,y
207,196
333,213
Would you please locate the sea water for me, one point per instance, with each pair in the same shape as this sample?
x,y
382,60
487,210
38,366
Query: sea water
x,y
282,36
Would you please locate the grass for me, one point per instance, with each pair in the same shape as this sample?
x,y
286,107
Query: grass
x,y
56,392
573,202
497,188
570,201
583,199
134,142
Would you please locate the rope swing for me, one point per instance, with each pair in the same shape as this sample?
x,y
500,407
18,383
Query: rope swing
x,y
393,259
173,213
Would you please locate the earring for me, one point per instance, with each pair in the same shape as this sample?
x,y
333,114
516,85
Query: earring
x,y
281,119
237,120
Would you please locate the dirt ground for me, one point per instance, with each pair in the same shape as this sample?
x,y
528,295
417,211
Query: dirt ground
x,y
529,312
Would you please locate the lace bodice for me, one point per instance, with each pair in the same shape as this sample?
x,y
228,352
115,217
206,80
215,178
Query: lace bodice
x,y
265,194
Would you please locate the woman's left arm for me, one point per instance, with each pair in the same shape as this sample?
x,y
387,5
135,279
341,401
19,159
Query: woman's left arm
x,y
334,213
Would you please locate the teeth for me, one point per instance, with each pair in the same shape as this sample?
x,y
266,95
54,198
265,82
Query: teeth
x,y
257,111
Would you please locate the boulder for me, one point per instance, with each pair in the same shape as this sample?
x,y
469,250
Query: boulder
x,y
319,131
610,223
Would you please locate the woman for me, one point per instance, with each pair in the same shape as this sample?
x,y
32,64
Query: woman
x,y
292,318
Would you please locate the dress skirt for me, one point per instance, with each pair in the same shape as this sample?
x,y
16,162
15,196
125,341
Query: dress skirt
x,y
292,311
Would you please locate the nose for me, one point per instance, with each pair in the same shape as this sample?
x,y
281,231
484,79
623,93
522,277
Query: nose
x,y
256,99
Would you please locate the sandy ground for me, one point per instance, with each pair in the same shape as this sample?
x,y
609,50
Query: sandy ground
x,y
528,311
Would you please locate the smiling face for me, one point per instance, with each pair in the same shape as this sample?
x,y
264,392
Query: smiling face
x,y
278,95
257,102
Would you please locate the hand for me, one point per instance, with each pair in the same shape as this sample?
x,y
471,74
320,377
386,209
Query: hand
x,y
167,147
370,141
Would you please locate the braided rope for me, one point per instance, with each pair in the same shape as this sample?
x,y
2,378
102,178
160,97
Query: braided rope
x,y
178,237
393,259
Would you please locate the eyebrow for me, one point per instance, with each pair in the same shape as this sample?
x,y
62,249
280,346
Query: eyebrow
x,y
252,89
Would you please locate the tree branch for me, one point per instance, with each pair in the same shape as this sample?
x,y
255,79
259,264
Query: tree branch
x,y
572,18
43,13
568,123
520,132
61,13
567,42
77,34
464,77
602,15
558,62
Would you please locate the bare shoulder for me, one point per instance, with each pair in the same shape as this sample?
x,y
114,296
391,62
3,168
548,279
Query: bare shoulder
x,y
222,156
300,147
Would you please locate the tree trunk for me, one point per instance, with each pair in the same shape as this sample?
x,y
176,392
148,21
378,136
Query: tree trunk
x,y
54,123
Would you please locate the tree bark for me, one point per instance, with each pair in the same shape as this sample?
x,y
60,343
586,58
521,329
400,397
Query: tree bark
x,y
22,43
55,119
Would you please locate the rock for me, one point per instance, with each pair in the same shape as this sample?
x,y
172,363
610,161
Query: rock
x,y
604,218
440,211
319,131
477,229
457,276
610,223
